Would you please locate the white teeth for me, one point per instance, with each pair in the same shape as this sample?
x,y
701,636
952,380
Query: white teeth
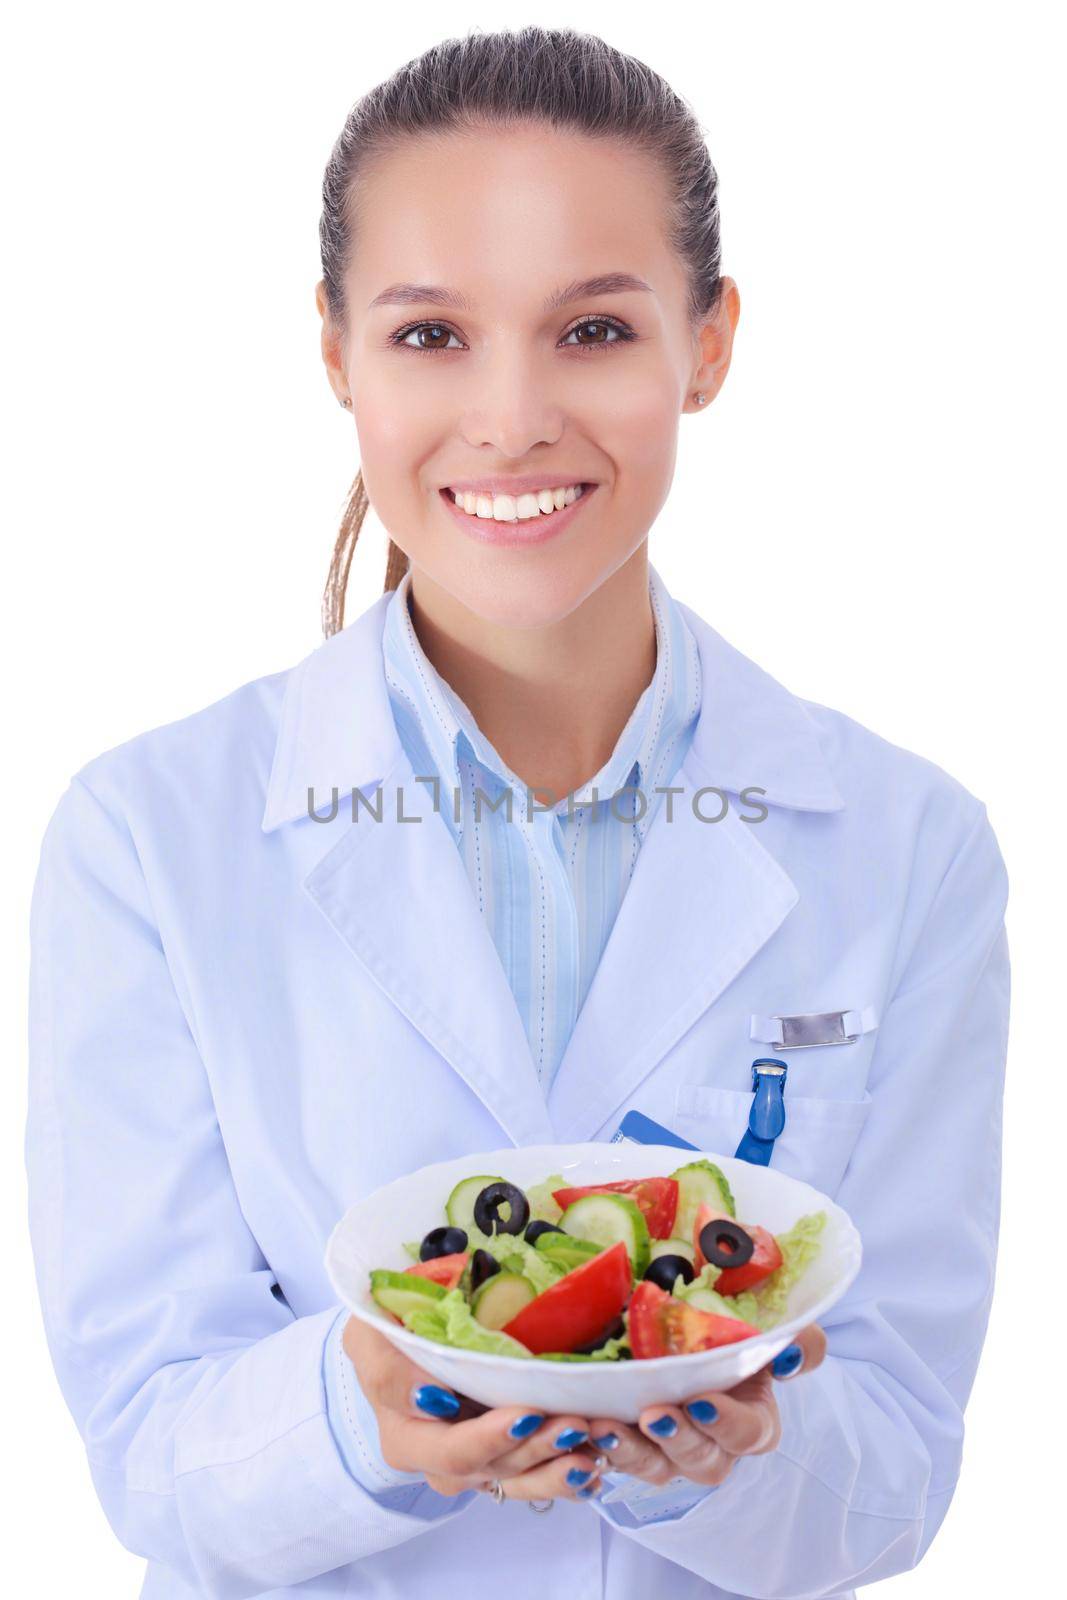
x,y
515,508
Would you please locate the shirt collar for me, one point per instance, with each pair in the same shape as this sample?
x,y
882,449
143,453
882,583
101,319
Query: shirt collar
x,y
668,704
328,721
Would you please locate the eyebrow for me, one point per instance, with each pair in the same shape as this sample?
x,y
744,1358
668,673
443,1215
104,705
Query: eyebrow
x,y
405,294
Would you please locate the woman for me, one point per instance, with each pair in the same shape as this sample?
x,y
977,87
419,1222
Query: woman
x,y
526,847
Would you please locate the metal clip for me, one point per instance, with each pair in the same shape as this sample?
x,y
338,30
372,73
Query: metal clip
x,y
813,1028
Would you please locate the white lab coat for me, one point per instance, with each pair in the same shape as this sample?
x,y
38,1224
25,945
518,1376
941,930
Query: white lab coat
x,y
243,1019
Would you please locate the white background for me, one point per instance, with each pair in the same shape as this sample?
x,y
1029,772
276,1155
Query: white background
x,y
869,509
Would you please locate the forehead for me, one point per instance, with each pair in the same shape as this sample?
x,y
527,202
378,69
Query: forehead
x,y
507,215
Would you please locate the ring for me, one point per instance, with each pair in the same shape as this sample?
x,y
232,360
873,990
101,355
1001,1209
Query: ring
x,y
496,1489
540,1505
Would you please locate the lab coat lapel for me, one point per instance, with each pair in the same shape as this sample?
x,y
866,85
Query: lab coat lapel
x,y
395,891
705,897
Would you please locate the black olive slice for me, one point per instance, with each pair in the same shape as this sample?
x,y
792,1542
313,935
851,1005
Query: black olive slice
x,y
487,1209
483,1267
725,1243
665,1269
537,1228
442,1242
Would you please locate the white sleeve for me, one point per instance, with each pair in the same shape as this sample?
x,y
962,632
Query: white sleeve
x,y
872,1439
199,1395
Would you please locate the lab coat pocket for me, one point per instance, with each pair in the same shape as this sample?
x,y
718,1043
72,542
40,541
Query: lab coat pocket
x,y
815,1145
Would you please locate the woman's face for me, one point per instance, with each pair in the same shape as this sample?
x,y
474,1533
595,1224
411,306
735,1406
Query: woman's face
x,y
473,357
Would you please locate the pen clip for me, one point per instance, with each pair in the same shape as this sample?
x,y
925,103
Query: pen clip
x,y
766,1118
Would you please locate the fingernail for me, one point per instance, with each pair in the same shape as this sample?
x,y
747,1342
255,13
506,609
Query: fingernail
x,y
571,1437
607,1441
702,1410
664,1427
434,1400
788,1361
576,1476
526,1425
585,1494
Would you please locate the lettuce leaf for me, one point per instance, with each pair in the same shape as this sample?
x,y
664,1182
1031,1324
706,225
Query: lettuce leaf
x,y
451,1321
516,1255
612,1350
542,1206
799,1248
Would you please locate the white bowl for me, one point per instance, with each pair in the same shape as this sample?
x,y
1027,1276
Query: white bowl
x,y
372,1231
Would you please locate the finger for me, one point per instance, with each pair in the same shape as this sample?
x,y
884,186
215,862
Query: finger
x,y
629,1451
483,1447
743,1421
807,1351
554,1437
686,1448
571,1477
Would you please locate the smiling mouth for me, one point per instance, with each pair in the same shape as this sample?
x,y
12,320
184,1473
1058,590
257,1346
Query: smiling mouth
x,y
529,508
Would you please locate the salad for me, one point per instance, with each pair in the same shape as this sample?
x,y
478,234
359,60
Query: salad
x,y
634,1269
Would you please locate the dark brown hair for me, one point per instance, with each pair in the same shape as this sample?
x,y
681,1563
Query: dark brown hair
x,y
571,80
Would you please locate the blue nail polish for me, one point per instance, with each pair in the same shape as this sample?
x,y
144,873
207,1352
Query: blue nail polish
x,y
435,1401
526,1425
585,1494
702,1410
607,1441
576,1476
788,1361
664,1427
570,1438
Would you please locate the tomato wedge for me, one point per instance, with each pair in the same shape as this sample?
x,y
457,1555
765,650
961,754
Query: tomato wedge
x,y
660,1325
577,1308
765,1258
446,1270
657,1200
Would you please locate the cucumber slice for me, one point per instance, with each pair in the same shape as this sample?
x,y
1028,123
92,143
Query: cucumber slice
x,y
553,1244
403,1291
500,1298
674,1247
604,1219
698,1182
572,1253
459,1207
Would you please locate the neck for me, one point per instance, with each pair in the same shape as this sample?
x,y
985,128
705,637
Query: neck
x,y
553,700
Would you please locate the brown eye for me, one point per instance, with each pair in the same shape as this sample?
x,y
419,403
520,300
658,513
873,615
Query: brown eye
x,y
432,336
428,336
597,333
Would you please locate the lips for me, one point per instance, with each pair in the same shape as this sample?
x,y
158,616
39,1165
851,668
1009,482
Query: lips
x,y
525,532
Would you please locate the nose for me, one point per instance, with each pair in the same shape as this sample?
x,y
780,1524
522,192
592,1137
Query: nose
x,y
511,407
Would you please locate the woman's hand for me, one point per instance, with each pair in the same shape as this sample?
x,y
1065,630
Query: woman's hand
x,y
702,1439
457,1444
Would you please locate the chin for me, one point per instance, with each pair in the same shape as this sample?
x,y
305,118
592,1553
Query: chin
x,y
535,596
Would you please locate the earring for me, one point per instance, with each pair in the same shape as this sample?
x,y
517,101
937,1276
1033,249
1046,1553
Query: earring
x,y
701,397
347,401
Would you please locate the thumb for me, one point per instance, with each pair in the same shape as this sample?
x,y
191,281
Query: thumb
x,y
806,1352
388,1378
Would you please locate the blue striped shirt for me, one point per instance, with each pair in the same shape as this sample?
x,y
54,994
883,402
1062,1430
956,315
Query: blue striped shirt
x,y
550,880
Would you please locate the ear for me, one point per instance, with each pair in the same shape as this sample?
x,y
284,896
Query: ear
x,y
331,345
716,342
